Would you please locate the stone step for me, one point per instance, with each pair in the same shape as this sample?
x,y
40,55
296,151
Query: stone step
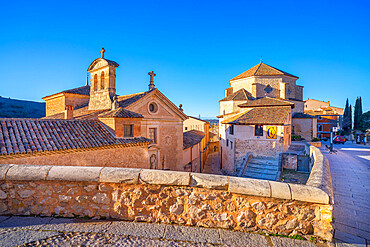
x,y
258,175
261,170
253,164
262,161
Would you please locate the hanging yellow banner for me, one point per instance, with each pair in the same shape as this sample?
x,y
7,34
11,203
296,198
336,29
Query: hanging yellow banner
x,y
271,132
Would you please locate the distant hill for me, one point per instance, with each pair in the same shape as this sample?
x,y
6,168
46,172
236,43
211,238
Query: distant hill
x,y
14,108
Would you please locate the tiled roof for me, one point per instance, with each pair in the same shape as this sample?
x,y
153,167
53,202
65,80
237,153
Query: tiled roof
x,y
85,90
267,101
120,113
262,69
80,113
261,115
19,136
192,138
126,100
241,94
301,115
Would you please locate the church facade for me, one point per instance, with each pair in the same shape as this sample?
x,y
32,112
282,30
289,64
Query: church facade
x,y
149,114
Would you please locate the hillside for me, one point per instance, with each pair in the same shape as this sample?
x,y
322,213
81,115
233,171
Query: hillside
x,y
14,108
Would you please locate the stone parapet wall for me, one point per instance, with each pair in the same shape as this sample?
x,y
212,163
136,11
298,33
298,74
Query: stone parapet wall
x,y
320,173
165,196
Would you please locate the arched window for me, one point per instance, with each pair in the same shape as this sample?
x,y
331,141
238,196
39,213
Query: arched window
x,y
95,82
102,80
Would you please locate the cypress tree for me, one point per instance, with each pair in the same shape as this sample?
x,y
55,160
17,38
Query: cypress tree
x,y
356,115
350,116
346,124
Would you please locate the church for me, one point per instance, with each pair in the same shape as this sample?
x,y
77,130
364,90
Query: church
x,y
92,125
148,114
257,116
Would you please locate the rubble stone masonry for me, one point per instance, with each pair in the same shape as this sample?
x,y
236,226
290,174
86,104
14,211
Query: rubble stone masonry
x,y
166,196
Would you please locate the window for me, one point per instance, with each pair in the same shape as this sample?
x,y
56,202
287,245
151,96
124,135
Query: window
x,y
319,136
258,130
231,129
153,134
320,127
153,107
102,80
227,142
128,130
186,128
320,117
231,145
95,82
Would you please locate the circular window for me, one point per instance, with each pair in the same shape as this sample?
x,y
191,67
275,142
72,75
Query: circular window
x,y
153,107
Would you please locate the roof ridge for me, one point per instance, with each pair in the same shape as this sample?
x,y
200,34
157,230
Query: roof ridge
x,y
259,65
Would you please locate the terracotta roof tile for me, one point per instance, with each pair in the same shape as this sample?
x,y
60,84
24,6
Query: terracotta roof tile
x,y
85,90
261,115
261,69
39,135
241,94
192,137
267,101
120,113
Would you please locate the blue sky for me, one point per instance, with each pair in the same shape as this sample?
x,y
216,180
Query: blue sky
x,y
194,47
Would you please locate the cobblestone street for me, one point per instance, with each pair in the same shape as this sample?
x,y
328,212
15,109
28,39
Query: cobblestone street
x,y
47,231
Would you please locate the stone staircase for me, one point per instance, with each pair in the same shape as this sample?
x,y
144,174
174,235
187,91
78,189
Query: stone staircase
x,y
266,168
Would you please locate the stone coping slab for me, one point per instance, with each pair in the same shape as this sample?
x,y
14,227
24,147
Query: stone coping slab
x,y
317,192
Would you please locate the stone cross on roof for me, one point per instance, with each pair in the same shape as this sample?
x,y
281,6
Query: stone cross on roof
x,y
102,52
151,84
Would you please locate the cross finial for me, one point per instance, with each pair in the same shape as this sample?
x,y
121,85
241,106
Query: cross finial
x,y
261,59
102,52
151,84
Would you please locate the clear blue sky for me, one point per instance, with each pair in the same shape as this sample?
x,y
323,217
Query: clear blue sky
x,y
194,47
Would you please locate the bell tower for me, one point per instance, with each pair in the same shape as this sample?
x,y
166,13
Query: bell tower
x,y
103,82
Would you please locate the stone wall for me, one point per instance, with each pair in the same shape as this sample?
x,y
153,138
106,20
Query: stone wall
x,y
131,157
166,196
304,127
55,105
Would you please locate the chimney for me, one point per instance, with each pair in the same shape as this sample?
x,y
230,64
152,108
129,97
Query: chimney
x,y
68,113
199,116
180,107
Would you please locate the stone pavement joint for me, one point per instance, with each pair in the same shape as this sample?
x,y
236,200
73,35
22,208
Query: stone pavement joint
x,y
38,231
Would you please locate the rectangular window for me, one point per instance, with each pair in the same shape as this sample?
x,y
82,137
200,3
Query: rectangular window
x,y
227,142
258,130
153,134
128,130
231,130
186,128
231,145
320,127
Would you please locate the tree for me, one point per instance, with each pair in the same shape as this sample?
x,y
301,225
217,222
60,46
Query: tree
x,y
358,112
350,117
347,118
364,121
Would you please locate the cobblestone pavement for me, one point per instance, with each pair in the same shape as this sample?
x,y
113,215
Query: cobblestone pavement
x,y
212,165
350,172
47,231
